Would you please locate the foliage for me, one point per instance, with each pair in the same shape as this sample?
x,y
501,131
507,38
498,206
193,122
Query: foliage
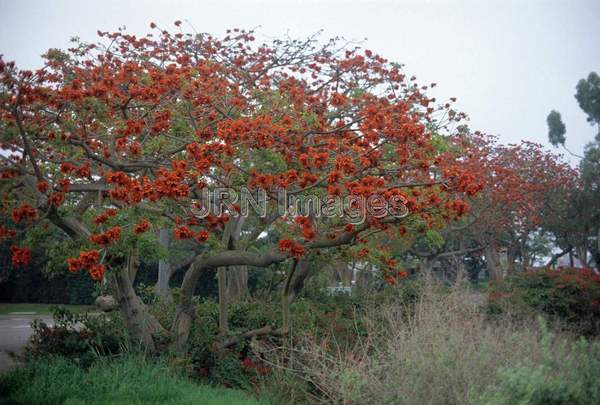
x,y
567,375
576,222
318,314
78,337
128,380
588,97
33,283
556,128
567,295
443,349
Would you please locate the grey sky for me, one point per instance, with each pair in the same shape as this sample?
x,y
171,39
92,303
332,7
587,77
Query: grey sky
x,y
508,62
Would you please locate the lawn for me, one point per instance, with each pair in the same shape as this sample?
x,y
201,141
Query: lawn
x,y
39,309
130,380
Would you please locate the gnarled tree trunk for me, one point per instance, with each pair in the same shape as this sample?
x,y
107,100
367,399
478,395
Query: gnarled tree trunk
x,y
237,283
164,270
184,314
141,325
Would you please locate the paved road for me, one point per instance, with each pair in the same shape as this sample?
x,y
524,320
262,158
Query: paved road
x,y
15,330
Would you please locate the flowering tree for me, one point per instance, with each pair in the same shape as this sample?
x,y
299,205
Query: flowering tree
x,y
112,141
525,188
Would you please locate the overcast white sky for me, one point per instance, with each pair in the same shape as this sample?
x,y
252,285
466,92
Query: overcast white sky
x,y
508,62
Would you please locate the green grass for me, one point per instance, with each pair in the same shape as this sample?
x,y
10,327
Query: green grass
x,y
39,309
131,380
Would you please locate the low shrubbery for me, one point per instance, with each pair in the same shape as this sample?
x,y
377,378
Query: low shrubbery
x,y
78,337
442,350
129,380
568,374
420,342
569,296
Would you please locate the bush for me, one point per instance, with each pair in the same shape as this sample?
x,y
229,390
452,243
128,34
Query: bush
x,y
78,337
570,296
568,375
130,380
443,349
237,367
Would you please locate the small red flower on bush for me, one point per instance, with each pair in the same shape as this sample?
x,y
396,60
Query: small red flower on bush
x,y
21,256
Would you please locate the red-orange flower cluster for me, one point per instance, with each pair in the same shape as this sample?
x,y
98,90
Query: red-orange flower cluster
x,y
183,232
102,218
141,226
201,236
291,247
87,260
24,213
7,233
306,226
107,237
21,256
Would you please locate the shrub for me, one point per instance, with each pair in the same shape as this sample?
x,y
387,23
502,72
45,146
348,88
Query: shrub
x,y
443,349
228,367
570,296
79,337
568,374
129,380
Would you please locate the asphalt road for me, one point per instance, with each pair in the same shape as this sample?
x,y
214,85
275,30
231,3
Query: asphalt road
x,y
15,331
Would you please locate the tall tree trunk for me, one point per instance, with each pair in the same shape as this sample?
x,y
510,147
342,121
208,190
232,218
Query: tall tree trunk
x,y
141,325
285,300
460,262
571,262
582,254
597,253
164,269
222,280
492,259
299,273
237,283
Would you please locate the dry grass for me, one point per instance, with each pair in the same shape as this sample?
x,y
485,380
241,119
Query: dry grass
x,y
442,350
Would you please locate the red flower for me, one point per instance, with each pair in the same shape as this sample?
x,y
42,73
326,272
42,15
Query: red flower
x,y
96,271
42,186
107,237
67,167
21,256
389,279
202,236
24,213
102,218
291,247
87,260
56,199
141,226
363,252
7,233
183,232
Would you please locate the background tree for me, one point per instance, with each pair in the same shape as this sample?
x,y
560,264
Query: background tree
x,y
578,231
588,97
